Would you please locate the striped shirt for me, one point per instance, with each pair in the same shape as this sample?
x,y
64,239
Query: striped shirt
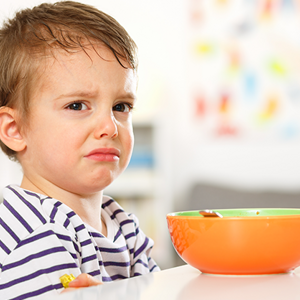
x,y
42,239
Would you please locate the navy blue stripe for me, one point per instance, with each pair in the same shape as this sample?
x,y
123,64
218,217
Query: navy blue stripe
x,y
126,222
53,212
66,223
35,211
80,227
57,204
118,211
17,216
32,194
117,264
94,273
132,234
43,235
100,262
39,292
38,273
34,238
71,214
12,234
86,242
76,247
112,278
96,235
111,250
106,279
30,206
107,203
64,237
153,268
142,248
4,247
118,234
136,274
139,261
89,258
33,256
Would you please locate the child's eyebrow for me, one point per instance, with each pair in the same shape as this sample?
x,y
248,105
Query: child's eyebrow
x,y
92,94
83,94
128,96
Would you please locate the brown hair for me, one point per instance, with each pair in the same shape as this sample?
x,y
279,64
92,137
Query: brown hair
x,y
33,33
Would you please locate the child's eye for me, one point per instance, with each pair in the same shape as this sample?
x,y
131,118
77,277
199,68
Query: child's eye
x,y
77,106
123,107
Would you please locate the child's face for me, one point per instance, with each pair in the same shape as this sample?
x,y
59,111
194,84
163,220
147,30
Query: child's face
x,y
80,132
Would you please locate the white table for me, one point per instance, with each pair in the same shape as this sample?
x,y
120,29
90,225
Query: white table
x,y
187,283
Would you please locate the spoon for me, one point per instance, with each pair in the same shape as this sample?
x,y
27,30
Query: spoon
x,y
210,214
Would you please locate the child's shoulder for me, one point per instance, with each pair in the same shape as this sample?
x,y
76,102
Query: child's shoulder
x,y
24,214
21,208
19,217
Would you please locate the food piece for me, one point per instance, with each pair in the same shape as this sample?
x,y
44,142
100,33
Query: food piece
x,y
66,279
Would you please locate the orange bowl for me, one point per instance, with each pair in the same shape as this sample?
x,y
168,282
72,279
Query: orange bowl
x,y
243,242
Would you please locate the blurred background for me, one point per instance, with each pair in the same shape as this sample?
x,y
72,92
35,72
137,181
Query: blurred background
x,y
217,123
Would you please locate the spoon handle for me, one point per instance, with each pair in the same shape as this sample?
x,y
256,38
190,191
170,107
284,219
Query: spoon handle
x,y
210,214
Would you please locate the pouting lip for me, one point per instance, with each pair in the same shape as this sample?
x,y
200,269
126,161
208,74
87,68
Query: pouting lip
x,y
112,151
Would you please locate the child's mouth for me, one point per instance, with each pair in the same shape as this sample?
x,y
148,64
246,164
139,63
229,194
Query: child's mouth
x,y
104,154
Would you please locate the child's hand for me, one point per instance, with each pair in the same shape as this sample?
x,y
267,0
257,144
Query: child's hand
x,y
82,280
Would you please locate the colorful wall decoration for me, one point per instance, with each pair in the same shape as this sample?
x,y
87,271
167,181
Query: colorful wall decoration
x,y
244,67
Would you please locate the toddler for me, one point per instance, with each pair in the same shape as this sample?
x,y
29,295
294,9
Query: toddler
x,y
67,89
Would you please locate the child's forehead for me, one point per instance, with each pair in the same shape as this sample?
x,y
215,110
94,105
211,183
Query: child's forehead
x,y
78,69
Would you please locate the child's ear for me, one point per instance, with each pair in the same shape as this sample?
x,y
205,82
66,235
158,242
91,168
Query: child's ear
x,y
9,131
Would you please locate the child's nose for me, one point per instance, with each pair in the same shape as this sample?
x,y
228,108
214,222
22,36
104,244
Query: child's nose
x,y
106,127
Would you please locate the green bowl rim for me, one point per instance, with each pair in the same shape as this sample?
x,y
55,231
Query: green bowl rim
x,y
239,213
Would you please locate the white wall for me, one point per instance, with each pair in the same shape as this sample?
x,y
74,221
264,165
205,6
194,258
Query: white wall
x,y
264,154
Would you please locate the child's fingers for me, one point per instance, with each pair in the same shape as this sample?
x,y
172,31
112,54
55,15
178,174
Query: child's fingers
x,y
84,280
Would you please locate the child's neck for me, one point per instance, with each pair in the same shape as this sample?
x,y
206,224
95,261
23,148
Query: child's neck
x,y
87,207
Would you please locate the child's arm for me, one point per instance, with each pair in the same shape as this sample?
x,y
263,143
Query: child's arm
x,y
141,249
82,280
